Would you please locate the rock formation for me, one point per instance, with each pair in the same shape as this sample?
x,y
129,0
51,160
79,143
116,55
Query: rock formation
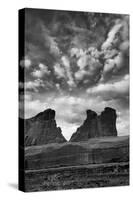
x,y
107,122
42,129
96,125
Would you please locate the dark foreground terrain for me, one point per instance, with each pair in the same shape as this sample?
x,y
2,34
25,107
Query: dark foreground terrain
x,y
101,175
96,163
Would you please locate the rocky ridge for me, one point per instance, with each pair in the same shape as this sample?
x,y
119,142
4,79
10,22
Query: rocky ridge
x,y
96,125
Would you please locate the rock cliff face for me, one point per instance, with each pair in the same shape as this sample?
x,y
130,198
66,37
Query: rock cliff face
x,y
96,125
42,129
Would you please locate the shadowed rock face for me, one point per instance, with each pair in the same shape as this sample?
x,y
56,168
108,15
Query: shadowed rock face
x,y
42,129
96,126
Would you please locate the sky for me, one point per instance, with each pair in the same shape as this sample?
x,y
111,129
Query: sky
x,y
75,61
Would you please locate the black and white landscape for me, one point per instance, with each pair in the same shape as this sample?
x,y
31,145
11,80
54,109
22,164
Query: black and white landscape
x,y
74,100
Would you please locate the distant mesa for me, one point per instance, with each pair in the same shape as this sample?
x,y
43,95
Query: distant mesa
x,y
42,129
96,125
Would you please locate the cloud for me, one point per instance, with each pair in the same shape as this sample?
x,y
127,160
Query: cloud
x,y
122,124
118,38
111,90
39,86
124,46
116,56
40,44
114,63
111,35
43,70
59,71
80,74
50,41
110,53
89,55
89,64
116,49
67,66
58,87
82,62
74,44
34,85
76,52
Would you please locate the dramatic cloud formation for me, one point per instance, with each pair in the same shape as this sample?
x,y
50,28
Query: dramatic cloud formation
x,y
75,61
